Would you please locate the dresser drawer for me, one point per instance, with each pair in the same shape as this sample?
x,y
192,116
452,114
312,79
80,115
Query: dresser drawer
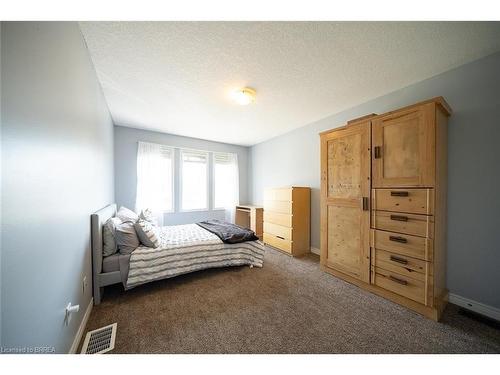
x,y
404,244
416,201
416,225
276,218
284,194
280,207
278,230
399,284
411,267
279,243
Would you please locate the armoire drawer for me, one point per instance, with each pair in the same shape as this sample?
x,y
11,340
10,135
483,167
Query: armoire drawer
x,y
416,225
399,284
284,194
276,218
415,201
401,264
404,244
281,207
278,230
277,242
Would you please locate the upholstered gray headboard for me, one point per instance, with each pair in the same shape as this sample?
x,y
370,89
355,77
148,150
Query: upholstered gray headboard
x,y
97,220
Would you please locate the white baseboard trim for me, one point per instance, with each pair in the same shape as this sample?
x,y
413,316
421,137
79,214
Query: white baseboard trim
x,y
478,307
315,250
81,329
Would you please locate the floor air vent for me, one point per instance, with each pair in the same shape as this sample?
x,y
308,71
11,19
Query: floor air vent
x,y
100,340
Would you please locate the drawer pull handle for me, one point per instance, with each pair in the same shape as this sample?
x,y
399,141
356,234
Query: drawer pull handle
x,y
399,281
281,237
399,218
399,194
365,204
377,153
398,260
398,239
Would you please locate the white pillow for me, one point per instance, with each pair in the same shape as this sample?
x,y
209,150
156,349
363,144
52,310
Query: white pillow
x,y
126,237
108,233
124,214
147,233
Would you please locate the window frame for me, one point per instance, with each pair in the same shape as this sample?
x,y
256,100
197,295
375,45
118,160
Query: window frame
x,y
181,175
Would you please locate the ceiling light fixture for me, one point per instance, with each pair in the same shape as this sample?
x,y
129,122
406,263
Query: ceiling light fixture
x,y
244,96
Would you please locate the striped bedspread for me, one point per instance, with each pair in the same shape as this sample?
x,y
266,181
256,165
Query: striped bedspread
x,y
189,248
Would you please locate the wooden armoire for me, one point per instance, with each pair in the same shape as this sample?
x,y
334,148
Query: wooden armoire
x,y
383,204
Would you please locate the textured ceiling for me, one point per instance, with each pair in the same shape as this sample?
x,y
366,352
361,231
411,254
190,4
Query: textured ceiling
x,y
176,77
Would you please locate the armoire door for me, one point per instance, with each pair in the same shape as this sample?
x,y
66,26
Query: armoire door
x,y
403,148
345,191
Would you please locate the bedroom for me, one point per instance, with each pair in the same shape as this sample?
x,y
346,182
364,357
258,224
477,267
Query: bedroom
x,y
357,158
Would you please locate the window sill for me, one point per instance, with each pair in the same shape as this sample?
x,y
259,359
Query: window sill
x,y
194,210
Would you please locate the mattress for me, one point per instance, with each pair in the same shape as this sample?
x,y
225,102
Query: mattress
x,y
111,263
189,248
117,262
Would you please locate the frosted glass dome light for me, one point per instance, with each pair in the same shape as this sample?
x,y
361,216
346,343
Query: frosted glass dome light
x,y
244,96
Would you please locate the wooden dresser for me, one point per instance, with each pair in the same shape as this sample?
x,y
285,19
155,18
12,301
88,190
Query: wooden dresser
x,y
383,204
287,219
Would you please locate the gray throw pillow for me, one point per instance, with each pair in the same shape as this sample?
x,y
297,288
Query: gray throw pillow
x,y
108,232
126,237
124,214
147,233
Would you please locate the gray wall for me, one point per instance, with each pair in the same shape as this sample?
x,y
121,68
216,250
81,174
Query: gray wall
x,y
57,159
473,91
126,140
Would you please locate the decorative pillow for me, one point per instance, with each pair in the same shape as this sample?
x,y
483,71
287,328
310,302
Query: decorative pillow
x,y
108,234
126,237
147,233
124,214
147,214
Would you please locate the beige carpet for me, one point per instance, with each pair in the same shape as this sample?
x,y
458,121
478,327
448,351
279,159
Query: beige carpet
x,y
288,306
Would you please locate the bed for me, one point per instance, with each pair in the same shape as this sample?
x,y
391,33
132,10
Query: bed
x,y
183,249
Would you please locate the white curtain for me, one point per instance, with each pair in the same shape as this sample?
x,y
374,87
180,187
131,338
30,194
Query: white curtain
x,y
227,185
154,179
231,210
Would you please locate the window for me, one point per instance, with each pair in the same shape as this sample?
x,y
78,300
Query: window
x,y
226,184
155,177
171,179
194,180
